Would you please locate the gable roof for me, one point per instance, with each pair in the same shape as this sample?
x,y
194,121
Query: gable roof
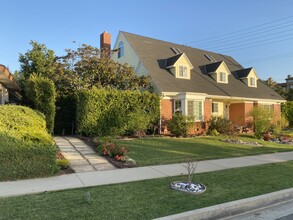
x,y
172,60
242,73
212,67
7,79
152,54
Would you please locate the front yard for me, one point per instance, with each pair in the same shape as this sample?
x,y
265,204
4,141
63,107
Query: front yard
x,y
163,150
151,198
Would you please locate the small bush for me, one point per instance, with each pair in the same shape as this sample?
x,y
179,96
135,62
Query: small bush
x,y
113,150
262,119
62,163
214,132
179,124
221,125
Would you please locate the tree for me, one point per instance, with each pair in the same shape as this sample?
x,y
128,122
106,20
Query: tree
x,y
38,60
274,85
91,69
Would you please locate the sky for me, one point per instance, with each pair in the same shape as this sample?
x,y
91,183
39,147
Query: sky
x,y
257,33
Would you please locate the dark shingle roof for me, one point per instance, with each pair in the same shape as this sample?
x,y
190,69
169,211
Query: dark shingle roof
x,y
212,67
151,52
242,73
172,60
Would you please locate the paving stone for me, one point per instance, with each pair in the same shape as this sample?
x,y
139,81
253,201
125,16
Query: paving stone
x,y
72,155
78,162
104,166
81,169
97,160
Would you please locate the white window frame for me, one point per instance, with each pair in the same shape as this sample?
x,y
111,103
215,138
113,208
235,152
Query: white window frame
x,y
223,77
252,81
215,105
176,109
199,117
182,71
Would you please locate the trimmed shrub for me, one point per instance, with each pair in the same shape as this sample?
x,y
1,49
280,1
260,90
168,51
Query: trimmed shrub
x,y
26,149
24,124
41,92
179,124
108,112
221,125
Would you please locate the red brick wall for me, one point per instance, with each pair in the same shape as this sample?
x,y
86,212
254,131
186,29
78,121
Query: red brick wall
x,y
277,112
207,110
166,113
237,113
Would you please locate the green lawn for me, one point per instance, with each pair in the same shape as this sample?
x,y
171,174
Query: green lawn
x,y
151,198
154,151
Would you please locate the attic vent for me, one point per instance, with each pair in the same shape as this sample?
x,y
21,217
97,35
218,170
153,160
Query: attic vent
x,y
210,58
175,50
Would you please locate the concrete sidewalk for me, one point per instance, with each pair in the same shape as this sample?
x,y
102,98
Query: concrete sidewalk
x,y
96,178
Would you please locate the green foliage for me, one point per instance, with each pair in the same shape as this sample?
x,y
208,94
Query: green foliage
x,y
113,150
26,148
62,163
24,124
38,60
287,111
179,124
105,112
92,68
41,92
214,132
220,124
262,120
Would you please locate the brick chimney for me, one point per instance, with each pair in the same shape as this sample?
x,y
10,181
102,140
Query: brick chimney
x,y
105,43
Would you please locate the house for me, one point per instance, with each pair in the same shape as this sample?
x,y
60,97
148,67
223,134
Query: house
x,y
288,84
9,89
196,82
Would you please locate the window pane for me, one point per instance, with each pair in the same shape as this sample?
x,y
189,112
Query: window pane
x,y
178,106
194,108
182,71
215,107
252,81
121,49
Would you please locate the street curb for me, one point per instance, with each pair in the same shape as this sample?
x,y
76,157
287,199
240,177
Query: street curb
x,y
234,208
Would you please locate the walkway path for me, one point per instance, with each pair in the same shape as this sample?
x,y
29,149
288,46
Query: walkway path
x,y
81,157
95,178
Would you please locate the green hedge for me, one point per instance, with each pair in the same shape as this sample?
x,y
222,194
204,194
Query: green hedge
x,y
26,149
41,92
104,112
287,111
24,124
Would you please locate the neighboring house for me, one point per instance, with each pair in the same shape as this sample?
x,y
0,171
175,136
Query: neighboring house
x,y
288,84
196,82
9,90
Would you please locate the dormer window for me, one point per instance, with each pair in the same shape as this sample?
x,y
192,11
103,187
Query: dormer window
x,y
183,72
179,66
252,82
223,77
248,76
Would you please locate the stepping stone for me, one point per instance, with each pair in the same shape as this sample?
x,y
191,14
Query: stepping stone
x,y
81,169
94,161
104,166
72,155
78,162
